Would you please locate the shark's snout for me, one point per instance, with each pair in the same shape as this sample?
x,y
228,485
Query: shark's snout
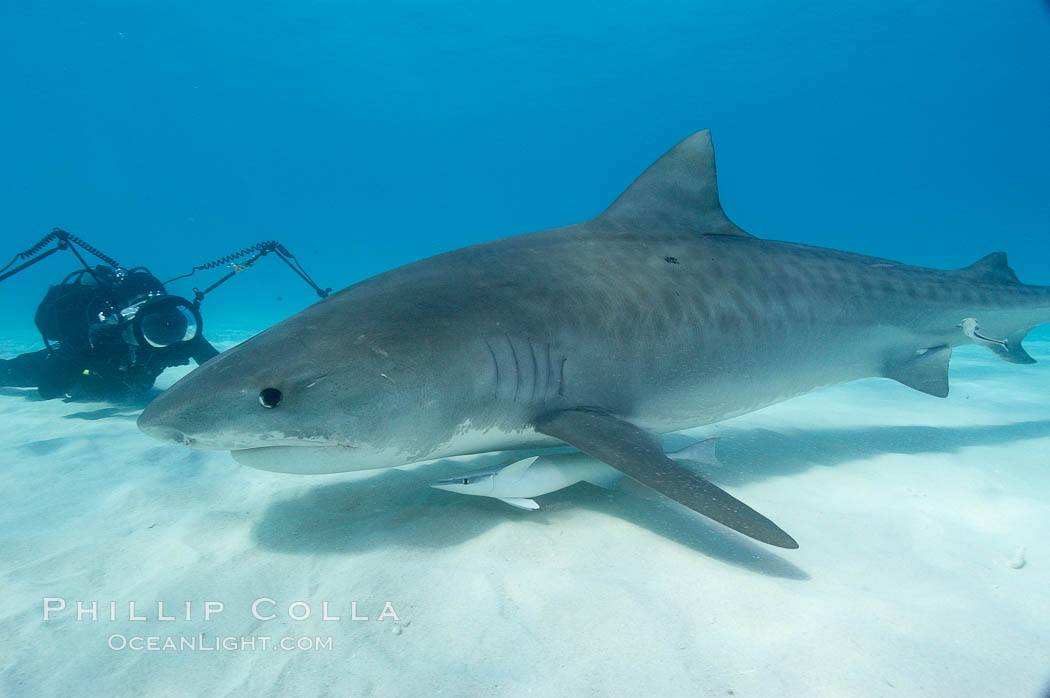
x,y
152,423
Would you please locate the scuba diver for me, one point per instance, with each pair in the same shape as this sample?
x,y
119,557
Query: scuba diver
x,y
109,331
108,334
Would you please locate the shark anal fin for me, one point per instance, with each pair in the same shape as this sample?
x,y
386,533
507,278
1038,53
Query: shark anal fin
x,y
638,454
1008,349
1014,352
926,371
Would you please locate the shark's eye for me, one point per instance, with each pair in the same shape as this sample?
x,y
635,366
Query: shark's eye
x,y
270,398
466,481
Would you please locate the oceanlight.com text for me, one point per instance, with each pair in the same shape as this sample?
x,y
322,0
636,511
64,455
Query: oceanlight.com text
x,y
216,643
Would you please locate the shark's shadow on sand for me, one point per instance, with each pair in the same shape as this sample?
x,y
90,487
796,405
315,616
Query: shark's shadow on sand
x,y
396,508
123,408
756,454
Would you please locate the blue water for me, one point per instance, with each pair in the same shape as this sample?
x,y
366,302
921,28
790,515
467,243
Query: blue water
x,y
365,136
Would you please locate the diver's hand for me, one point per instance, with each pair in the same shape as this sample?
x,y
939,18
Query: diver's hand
x,y
203,350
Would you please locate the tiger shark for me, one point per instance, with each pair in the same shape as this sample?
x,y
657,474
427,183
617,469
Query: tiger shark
x,y
657,315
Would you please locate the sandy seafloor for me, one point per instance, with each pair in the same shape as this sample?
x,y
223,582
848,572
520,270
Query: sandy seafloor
x,y
910,512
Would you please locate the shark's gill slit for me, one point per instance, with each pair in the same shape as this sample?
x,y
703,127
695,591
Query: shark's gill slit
x,y
495,369
517,367
535,371
547,371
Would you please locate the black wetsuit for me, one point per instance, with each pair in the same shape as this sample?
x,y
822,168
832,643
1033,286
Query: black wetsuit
x,y
88,355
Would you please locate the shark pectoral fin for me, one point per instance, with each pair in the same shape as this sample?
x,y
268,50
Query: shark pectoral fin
x,y
639,454
926,371
520,503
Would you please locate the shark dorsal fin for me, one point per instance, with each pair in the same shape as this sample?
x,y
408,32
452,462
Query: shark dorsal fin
x,y
678,193
993,267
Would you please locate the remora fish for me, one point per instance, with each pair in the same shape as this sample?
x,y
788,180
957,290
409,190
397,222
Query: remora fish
x,y
518,482
658,315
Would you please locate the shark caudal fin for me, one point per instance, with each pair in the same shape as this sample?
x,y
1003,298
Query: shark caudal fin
x,y
677,194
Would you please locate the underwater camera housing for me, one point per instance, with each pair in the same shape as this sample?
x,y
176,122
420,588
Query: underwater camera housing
x,y
99,308
159,321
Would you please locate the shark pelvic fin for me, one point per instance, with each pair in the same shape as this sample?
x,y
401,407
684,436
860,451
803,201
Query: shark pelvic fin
x,y
639,454
678,193
926,371
993,267
520,503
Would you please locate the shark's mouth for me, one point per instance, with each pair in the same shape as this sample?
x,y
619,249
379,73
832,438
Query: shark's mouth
x,y
306,459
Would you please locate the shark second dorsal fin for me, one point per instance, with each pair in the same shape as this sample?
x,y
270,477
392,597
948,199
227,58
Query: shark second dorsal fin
x,y
992,268
678,193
